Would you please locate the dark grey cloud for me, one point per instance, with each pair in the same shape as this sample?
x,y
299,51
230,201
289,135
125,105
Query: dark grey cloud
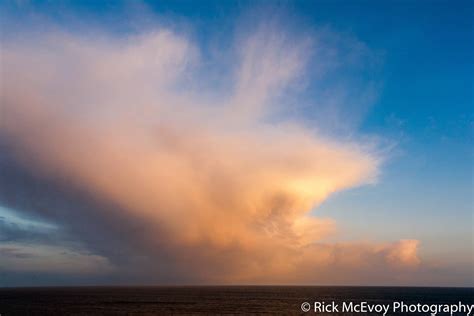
x,y
85,224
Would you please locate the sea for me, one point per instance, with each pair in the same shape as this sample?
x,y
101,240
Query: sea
x,y
226,300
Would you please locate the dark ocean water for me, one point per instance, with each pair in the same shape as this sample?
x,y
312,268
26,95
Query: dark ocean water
x,y
214,300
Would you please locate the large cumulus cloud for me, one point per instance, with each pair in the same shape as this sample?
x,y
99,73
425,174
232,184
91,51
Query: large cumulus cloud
x,y
170,180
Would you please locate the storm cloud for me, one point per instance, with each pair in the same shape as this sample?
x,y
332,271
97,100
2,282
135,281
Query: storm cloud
x,y
160,177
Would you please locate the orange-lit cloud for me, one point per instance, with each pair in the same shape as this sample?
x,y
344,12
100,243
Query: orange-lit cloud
x,y
222,193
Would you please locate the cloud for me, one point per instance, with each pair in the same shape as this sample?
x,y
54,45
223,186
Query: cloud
x,y
17,258
180,183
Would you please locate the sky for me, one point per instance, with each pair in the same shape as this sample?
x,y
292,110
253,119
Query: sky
x,y
235,142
